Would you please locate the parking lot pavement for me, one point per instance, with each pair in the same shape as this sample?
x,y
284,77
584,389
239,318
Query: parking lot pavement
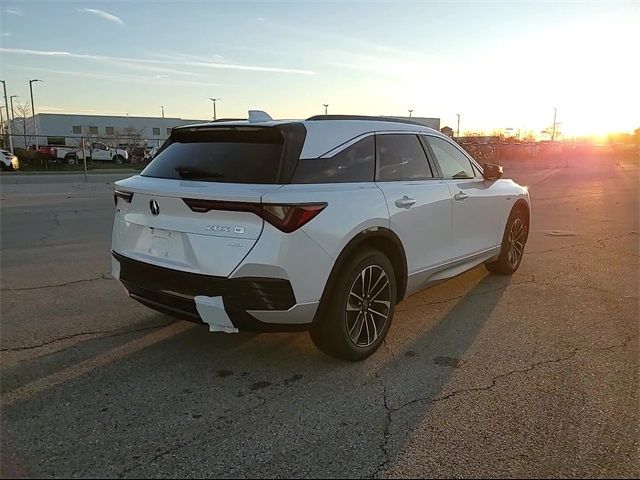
x,y
534,375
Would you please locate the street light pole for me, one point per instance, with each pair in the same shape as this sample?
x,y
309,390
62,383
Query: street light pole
x,y
458,129
410,112
553,131
214,100
13,115
326,105
6,106
162,107
4,145
33,110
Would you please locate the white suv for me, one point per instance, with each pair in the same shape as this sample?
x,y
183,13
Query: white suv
x,y
321,225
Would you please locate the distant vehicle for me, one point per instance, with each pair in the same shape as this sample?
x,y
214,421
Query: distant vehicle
x,y
95,152
8,161
149,155
323,224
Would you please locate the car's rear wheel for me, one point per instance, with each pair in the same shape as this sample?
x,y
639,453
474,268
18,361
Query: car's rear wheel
x,y
357,312
71,159
513,242
119,159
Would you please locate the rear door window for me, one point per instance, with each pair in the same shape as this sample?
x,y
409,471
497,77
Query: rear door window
x,y
453,163
230,155
401,157
355,163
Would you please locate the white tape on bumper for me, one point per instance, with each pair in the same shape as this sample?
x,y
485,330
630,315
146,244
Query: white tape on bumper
x,y
115,268
212,312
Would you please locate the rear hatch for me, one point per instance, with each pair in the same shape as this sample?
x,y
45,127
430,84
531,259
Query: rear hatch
x,y
168,215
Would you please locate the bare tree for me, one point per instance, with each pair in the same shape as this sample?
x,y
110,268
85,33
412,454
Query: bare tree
x,y
23,111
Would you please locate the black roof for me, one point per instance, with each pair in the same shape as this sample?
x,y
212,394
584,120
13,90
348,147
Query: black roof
x,y
364,117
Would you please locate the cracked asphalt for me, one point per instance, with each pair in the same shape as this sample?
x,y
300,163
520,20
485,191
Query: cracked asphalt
x,y
535,375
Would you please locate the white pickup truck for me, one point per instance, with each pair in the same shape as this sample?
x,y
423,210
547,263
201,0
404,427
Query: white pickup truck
x,y
95,151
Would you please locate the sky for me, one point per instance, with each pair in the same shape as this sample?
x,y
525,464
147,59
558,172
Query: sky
x,y
498,64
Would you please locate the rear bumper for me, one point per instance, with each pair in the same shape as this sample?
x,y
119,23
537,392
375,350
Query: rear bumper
x,y
252,303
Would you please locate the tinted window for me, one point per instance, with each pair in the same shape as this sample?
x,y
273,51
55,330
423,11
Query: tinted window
x,y
401,157
77,129
354,164
156,131
93,130
221,155
453,163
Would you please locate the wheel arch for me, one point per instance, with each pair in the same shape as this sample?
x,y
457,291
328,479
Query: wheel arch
x,y
381,239
523,206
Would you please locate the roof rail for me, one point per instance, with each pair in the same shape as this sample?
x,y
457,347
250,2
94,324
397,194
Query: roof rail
x,y
364,117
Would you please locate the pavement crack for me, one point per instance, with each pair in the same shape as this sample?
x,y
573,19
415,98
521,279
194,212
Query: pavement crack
x,y
564,247
387,428
104,276
500,376
109,334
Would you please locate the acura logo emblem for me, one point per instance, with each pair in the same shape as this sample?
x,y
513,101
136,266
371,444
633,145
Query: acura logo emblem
x,y
154,207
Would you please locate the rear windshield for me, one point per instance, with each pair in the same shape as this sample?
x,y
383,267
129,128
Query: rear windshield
x,y
229,155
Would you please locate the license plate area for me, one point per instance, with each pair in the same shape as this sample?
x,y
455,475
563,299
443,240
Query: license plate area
x,y
165,244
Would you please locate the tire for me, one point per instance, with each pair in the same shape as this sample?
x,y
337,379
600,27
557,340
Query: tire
x,y
118,159
342,330
70,159
513,242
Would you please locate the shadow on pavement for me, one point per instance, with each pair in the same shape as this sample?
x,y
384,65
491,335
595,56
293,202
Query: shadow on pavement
x,y
188,403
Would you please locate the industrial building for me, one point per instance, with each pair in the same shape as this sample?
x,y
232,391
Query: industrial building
x,y
69,129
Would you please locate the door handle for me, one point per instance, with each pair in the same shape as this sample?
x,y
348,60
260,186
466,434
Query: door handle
x,y
405,202
460,196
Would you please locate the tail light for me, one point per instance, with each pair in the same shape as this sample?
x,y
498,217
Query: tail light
x,y
126,196
288,218
285,217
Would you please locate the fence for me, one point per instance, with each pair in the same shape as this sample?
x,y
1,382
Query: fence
x,y
75,152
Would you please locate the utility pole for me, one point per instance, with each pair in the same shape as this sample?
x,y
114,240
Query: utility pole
x,y
326,105
33,110
214,100
553,132
13,115
458,130
4,145
162,107
410,112
6,106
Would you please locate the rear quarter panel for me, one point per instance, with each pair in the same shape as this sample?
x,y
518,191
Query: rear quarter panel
x,y
351,209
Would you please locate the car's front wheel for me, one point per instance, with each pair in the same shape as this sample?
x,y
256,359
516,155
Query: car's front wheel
x,y
513,241
357,312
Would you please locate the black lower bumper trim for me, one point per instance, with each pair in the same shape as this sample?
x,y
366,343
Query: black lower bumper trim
x,y
172,291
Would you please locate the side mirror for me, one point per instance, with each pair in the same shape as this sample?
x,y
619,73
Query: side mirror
x,y
491,171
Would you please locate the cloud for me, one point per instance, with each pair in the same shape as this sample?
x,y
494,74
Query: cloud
x,y
15,12
102,14
116,77
49,108
135,62
6,34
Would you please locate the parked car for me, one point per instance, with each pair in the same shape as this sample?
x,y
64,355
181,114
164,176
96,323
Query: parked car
x,y
95,151
8,161
323,225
